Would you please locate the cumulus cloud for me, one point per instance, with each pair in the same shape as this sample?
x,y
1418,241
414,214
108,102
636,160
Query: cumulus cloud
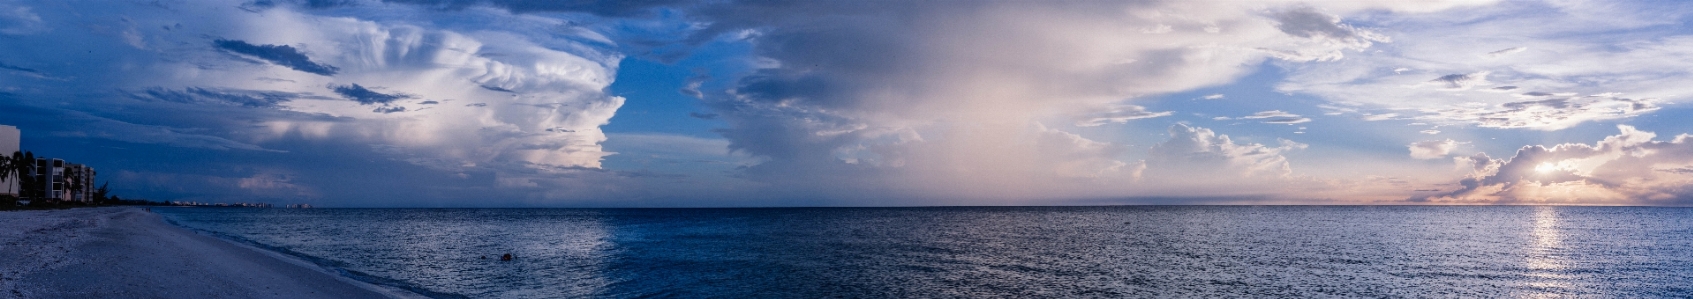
x,y
217,76
1432,149
1193,152
1627,168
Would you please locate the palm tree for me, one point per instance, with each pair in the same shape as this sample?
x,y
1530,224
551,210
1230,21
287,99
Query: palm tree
x,y
73,184
7,171
26,175
101,195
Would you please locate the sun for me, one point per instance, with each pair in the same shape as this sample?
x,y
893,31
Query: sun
x,y
1545,168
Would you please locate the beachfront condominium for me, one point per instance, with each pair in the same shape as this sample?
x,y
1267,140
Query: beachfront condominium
x,y
64,181
9,137
55,178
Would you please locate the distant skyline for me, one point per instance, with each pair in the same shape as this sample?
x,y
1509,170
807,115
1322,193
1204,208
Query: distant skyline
x,y
421,103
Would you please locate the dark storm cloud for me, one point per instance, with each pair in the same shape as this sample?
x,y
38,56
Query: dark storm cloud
x,y
264,4
497,88
283,55
246,98
626,8
4,66
366,96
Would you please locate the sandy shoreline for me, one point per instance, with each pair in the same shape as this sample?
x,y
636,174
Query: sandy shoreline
x,y
126,252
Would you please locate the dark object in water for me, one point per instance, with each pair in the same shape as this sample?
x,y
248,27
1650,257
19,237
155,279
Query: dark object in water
x,y
506,257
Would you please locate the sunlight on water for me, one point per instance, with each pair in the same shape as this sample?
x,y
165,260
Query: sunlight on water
x,y
1545,262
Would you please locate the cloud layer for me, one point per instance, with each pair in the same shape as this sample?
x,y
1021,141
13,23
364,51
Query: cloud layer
x,y
1629,168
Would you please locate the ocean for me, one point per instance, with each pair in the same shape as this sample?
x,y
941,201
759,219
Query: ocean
x,y
987,252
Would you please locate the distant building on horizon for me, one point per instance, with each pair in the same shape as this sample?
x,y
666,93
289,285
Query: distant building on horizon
x,y
9,138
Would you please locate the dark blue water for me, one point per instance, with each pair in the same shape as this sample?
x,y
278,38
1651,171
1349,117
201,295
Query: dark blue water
x,y
1198,251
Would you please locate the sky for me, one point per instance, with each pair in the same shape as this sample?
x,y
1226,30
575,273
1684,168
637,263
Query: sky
x,y
675,103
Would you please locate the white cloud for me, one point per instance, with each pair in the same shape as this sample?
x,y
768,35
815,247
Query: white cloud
x,y
1194,152
1119,114
1627,168
1432,149
1379,117
1215,96
1481,80
17,19
1277,117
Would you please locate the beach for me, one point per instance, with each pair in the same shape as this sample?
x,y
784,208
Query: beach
x,y
129,252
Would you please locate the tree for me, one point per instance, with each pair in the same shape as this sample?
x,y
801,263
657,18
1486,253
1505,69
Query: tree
x,y
73,183
27,183
100,194
7,169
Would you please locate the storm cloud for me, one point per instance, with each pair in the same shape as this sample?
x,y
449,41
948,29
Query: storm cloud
x,y
283,55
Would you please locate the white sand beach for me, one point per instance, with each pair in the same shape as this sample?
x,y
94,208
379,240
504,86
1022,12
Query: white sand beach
x,y
128,252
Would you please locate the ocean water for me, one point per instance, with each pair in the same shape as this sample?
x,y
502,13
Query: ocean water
x,y
987,252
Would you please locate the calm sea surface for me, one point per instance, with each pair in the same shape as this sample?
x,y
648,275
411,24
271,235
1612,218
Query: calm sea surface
x,y
1022,252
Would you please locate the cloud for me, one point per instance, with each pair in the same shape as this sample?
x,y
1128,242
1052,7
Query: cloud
x,y
279,54
20,20
1432,149
610,9
198,95
1308,22
1627,168
1216,96
1461,81
1277,117
1119,114
1453,85
1195,152
1547,114
843,91
1379,117
1506,51
366,96
691,87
